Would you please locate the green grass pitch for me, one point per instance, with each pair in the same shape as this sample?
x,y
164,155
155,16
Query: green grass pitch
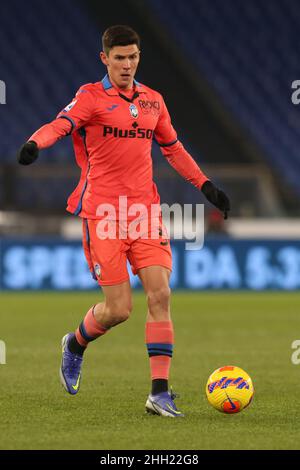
x,y
252,330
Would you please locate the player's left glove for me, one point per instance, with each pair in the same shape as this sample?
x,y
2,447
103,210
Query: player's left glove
x,y
217,197
28,153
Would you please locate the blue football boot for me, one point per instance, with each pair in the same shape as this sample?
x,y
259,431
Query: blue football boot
x,y
70,369
163,404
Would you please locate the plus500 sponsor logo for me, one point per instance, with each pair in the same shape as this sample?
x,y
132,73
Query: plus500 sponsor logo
x,y
139,133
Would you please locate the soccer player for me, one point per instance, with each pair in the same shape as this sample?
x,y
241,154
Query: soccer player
x,y
113,123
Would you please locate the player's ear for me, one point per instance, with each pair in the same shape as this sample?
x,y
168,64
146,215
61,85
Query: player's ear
x,y
104,58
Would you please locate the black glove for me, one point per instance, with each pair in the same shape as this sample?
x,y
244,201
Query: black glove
x,y
28,153
217,197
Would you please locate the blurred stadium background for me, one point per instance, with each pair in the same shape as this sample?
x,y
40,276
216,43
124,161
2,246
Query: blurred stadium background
x,y
226,71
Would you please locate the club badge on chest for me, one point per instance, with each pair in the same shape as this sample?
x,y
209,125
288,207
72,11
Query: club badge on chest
x,y
133,111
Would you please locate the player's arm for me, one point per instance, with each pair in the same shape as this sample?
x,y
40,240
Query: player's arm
x,y
44,137
184,164
72,117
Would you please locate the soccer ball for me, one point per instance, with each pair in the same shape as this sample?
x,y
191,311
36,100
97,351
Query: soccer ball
x,y
229,389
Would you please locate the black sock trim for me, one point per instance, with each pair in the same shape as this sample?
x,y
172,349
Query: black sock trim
x,y
159,386
74,347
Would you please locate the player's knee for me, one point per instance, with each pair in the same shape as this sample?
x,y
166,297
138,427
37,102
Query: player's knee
x,y
119,312
159,298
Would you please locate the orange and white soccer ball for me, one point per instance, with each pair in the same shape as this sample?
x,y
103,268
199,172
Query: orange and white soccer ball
x,y
229,389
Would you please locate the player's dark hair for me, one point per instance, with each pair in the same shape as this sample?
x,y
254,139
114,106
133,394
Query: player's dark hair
x,y
119,35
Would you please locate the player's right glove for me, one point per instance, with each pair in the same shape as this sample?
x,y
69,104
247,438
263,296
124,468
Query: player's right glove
x,y
217,197
28,153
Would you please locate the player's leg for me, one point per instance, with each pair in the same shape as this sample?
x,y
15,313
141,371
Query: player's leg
x,y
159,327
115,309
99,319
151,258
117,305
107,262
159,339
